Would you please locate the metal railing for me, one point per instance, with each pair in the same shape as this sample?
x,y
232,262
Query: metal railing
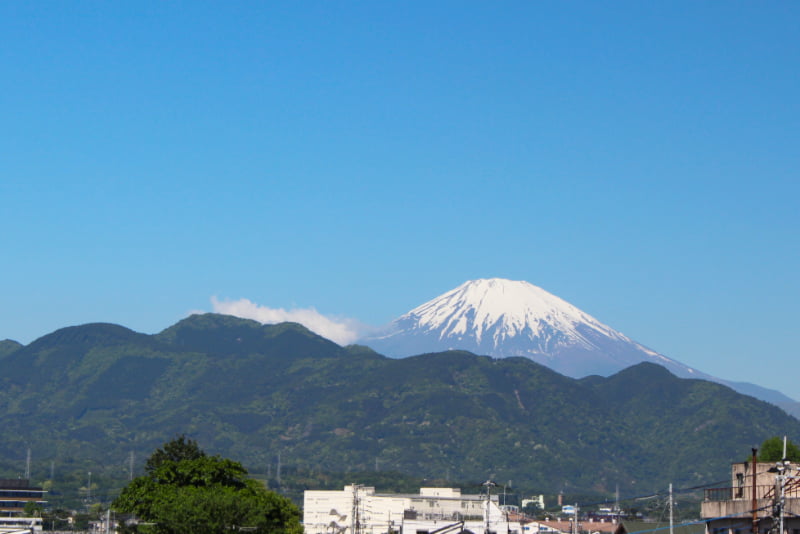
x,y
791,491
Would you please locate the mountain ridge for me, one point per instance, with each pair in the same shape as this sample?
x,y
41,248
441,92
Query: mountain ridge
x,y
502,318
284,390
7,346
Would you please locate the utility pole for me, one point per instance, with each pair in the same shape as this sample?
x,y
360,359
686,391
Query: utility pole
x,y
487,505
670,509
783,467
355,520
754,497
575,524
28,465
778,501
782,472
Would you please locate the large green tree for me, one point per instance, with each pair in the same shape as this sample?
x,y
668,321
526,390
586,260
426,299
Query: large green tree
x,y
186,491
772,450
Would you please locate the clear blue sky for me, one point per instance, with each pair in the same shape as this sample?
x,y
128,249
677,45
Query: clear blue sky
x,y
638,159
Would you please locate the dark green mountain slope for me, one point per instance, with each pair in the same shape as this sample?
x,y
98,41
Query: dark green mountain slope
x,y
707,415
7,346
252,392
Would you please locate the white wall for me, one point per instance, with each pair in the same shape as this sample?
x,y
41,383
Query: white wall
x,y
331,512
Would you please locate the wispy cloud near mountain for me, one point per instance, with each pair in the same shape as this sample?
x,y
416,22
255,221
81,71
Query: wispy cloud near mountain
x,y
341,330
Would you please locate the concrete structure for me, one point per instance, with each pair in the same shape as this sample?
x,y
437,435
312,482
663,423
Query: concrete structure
x,y
15,493
762,498
360,510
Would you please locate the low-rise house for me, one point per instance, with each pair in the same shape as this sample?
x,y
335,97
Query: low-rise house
x,y
549,526
661,527
566,526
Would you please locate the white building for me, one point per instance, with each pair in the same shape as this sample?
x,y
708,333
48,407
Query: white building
x,y
537,500
17,525
359,510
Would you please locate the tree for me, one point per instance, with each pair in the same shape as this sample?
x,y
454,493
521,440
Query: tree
x,y
772,451
184,490
32,509
95,510
180,448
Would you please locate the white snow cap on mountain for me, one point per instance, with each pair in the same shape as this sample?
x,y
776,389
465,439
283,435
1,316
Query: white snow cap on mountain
x,y
503,318
505,309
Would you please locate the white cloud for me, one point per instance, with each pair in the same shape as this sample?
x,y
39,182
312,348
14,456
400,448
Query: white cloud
x,y
340,330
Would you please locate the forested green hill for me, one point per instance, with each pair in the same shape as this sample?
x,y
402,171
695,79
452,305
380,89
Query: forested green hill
x,y
96,392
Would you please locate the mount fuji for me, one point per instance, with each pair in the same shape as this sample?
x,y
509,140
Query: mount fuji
x,y
504,318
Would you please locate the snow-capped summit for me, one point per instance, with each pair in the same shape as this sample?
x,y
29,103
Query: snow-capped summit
x,y
493,311
502,318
